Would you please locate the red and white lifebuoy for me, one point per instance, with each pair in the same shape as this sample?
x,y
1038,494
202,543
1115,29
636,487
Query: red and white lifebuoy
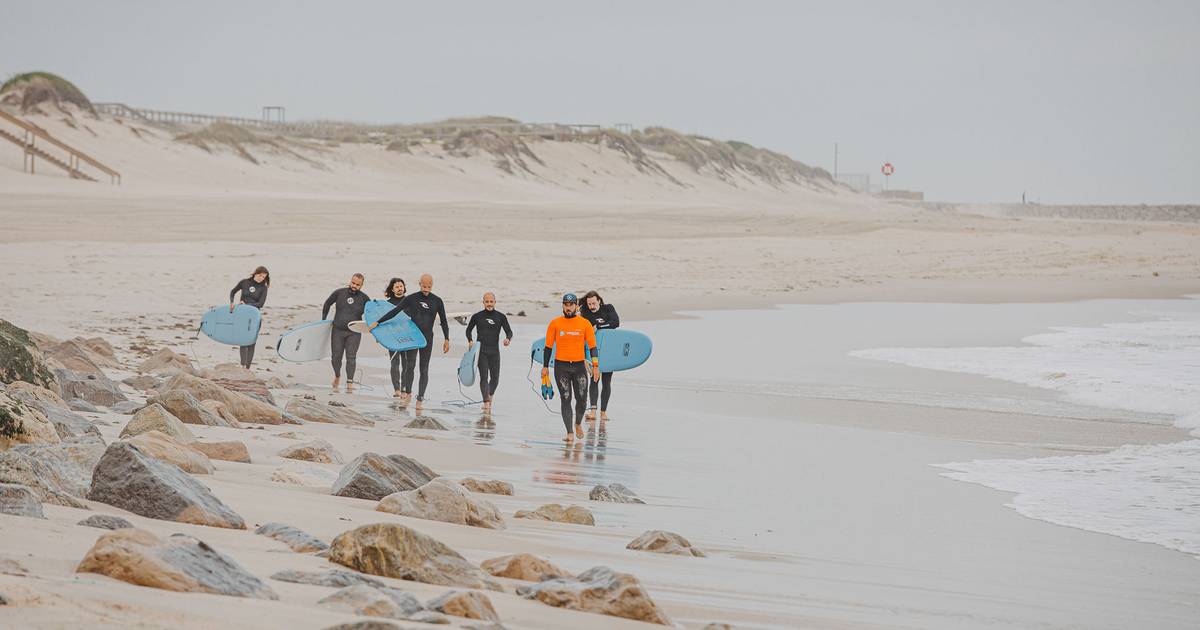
x,y
888,169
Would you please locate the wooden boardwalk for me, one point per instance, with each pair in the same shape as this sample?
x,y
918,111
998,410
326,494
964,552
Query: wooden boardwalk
x,y
27,139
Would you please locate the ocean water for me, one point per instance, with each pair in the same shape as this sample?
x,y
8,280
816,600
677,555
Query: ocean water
x,y
1149,363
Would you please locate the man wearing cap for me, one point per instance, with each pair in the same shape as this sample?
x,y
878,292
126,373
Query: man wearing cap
x,y
570,338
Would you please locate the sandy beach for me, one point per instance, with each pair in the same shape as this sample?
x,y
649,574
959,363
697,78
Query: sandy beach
x,y
811,478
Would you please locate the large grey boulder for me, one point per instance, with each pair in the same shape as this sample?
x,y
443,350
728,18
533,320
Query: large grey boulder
x,y
66,422
21,359
487,486
556,513
166,363
21,423
187,408
229,451
317,450
373,476
443,500
466,604
393,550
242,407
96,389
615,493
156,418
105,521
659,541
599,590
314,411
133,481
56,473
297,539
167,449
335,578
370,601
19,500
523,566
178,563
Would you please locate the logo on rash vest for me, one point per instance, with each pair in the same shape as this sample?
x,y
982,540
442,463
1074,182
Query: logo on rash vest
x,y
599,320
424,305
491,322
573,333
349,300
252,289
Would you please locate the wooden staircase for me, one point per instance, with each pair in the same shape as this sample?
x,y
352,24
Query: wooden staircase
x,y
27,140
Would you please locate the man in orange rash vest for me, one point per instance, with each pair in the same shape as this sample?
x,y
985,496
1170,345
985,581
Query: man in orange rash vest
x,y
571,338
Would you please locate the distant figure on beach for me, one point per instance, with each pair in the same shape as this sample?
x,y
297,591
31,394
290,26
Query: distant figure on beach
x,y
602,317
570,338
254,293
423,307
490,322
405,361
349,302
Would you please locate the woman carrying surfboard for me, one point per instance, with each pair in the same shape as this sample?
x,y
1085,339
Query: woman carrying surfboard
x,y
603,317
254,293
403,361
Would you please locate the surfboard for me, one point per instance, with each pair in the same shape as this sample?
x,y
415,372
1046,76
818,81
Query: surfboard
x,y
306,342
239,328
619,348
396,334
466,367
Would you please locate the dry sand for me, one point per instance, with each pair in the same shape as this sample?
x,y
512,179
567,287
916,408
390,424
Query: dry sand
x,y
138,263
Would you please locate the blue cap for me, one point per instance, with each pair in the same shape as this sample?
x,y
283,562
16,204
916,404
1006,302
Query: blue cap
x,y
570,297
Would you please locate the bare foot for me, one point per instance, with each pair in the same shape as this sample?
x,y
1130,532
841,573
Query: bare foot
x,y
603,416
590,415
397,394
570,439
418,407
336,381
349,387
579,431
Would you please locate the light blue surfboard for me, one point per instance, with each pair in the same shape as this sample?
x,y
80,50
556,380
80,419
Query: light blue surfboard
x,y
396,334
239,328
306,342
619,348
466,367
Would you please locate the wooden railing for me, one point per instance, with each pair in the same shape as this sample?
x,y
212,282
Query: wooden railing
x,y
28,142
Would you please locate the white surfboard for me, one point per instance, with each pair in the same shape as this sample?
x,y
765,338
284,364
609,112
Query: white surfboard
x,y
359,326
307,342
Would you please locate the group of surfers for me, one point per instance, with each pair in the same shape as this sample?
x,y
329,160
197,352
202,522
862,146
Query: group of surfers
x,y
570,339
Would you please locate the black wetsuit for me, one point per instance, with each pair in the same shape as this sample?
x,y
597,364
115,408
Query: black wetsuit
x,y
342,340
604,319
423,310
253,294
489,323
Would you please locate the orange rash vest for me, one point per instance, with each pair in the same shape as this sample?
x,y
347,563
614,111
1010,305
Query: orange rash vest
x,y
568,336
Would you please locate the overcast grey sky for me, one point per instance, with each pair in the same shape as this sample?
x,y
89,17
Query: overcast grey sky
x,y
1091,102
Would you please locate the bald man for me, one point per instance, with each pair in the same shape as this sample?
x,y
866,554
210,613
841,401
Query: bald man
x,y
490,322
423,307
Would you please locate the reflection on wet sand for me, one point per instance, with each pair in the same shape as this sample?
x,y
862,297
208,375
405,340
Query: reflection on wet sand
x,y
485,428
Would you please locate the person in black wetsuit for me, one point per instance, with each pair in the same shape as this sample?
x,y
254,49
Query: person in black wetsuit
x,y
404,360
350,301
490,322
603,317
254,293
423,307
